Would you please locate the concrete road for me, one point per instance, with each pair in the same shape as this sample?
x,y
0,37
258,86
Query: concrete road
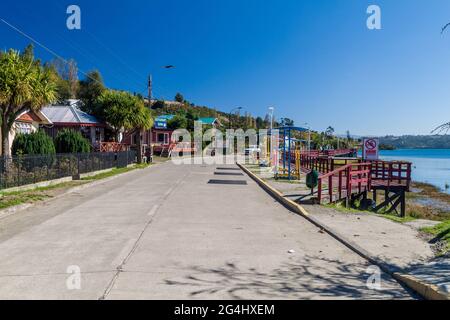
x,y
165,233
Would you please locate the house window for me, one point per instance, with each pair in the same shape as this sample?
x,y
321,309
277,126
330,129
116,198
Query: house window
x,y
25,128
163,138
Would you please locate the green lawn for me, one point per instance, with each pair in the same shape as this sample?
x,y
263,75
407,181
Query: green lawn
x,y
392,217
115,172
15,198
441,232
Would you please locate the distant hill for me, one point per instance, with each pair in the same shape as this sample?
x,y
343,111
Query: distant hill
x,y
417,142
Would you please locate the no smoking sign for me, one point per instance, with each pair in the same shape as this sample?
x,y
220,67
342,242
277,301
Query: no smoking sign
x,y
370,149
371,144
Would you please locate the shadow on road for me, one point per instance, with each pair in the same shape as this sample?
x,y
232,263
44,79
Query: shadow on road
x,y
310,278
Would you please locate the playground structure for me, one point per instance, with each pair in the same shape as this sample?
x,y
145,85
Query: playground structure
x,y
343,176
289,149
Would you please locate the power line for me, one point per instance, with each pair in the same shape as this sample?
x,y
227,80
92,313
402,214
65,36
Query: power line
x,y
44,47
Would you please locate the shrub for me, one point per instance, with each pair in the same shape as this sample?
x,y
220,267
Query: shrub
x,y
70,141
177,122
33,144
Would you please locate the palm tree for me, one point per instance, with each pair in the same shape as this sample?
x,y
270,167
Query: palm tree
x,y
443,128
24,85
446,126
141,119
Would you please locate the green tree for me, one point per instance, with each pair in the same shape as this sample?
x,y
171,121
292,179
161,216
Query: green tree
x,y
34,143
329,132
179,98
67,73
259,123
116,108
89,90
24,85
177,122
286,122
141,120
123,111
70,141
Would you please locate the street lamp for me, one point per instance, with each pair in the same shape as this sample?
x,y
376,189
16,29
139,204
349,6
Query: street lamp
x,y
230,115
309,135
271,109
150,96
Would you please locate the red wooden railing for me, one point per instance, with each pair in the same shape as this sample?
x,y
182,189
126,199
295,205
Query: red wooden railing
x,y
391,173
325,164
345,181
112,147
346,176
329,153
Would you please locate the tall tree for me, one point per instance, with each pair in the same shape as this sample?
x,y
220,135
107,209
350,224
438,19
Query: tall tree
x,y
68,72
141,120
179,98
446,126
89,90
24,85
286,122
123,111
329,132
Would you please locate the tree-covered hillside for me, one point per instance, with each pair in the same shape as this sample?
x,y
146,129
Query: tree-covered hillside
x,y
418,142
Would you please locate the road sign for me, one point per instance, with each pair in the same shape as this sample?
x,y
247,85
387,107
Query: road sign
x,y
371,148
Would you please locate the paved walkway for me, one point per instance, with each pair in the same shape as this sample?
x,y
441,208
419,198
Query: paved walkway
x,y
400,245
165,233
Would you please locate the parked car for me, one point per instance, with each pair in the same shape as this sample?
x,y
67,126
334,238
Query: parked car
x,y
251,150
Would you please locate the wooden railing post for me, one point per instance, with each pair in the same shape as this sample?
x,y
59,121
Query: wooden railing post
x,y
319,190
330,187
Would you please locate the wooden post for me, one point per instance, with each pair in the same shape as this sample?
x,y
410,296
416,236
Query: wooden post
x,y
330,188
403,204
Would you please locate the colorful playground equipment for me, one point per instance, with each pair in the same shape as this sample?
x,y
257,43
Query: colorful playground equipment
x,y
289,153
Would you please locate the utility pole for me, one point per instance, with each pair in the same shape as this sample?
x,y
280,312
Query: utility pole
x,y
150,89
150,93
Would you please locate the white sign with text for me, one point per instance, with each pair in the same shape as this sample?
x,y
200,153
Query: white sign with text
x,y
371,148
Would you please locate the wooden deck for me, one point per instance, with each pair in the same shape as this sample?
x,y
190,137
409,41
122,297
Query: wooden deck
x,y
351,178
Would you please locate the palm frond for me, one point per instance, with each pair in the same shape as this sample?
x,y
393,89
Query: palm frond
x,y
442,128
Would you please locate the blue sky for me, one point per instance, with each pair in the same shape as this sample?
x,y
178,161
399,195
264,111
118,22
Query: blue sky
x,y
315,60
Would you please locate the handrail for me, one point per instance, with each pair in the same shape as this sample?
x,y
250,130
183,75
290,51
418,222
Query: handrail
x,y
346,177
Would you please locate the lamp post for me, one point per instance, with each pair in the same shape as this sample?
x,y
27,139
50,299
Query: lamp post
x,y
309,135
271,110
150,97
230,115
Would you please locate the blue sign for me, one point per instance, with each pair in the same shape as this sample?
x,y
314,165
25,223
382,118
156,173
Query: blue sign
x,y
160,124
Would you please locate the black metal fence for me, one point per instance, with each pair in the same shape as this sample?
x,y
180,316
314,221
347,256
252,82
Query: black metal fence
x,y
22,170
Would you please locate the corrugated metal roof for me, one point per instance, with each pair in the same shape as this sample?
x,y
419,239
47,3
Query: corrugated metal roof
x,y
68,114
208,121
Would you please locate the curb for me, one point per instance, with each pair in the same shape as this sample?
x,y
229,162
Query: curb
x,y
427,291
15,209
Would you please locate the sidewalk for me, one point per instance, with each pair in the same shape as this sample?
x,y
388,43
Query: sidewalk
x,y
399,245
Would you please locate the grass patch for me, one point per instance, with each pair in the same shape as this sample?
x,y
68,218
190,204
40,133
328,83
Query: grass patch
x,y
341,208
396,218
15,198
7,201
115,172
441,232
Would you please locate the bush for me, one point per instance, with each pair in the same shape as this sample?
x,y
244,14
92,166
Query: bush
x,y
70,141
32,144
177,122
